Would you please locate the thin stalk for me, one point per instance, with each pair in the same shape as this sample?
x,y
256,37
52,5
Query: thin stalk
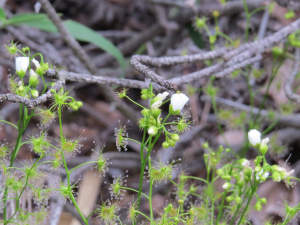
x,y
220,213
151,184
66,168
245,209
81,165
248,15
16,149
127,188
4,121
135,102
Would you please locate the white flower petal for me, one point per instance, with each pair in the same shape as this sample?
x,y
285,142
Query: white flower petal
x,y
254,137
245,162
178,101
36,63
32,73
265,141
22,63
163,95
156,104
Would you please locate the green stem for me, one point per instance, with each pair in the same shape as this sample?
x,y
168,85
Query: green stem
x,y
135,102
151,184
127,188
247,20
197,178
220,213
16,149
81,165
144,215
4,121
26,183
66,168
138,142
245,209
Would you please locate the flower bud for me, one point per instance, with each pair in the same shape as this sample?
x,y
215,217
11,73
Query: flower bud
x,y
248,171
240,183
180,201
144,91
276,177
229,199
175,137
33,79
152,131
177,103
21,88
254,137
200,22
144,97
226,186
171,143
205,145
79,104
277,51
220,172
263,200
145,112
162,96
257,169
155,112
244,162
263,148
34,93
212,39
258,206
238,199
165,145
22,64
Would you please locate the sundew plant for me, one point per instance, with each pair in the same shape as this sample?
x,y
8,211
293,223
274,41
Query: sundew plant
x,y
225,194
196,199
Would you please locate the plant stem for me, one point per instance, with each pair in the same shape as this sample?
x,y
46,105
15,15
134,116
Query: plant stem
x,y
66,168
4,121
245,209
220,213
151,185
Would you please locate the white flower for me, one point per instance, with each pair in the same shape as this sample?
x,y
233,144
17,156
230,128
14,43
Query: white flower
x,y
36,63
226,186
262,174
178,101
162,96
22,64
33,74
254,137
152,131
265,141
33,79
245,162
156,105
34,93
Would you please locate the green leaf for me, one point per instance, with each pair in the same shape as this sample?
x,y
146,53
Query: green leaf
x,y
2,14
83,33
77,30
